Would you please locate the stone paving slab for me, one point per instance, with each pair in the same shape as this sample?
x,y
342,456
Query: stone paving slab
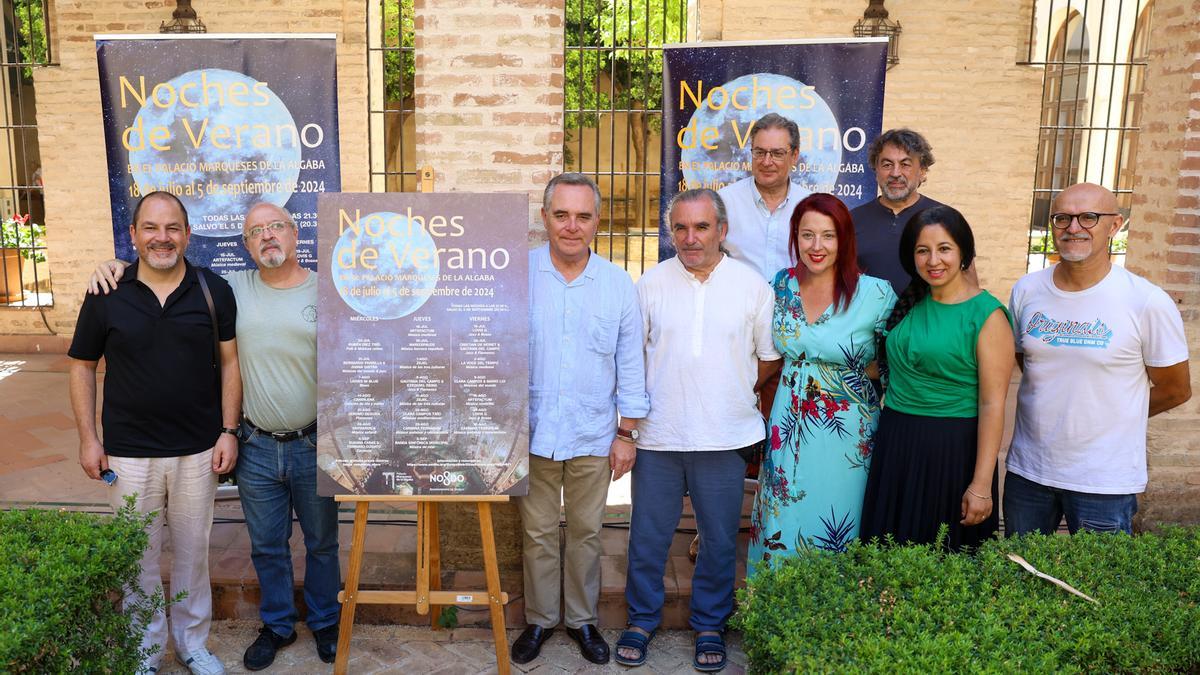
x,y
384,650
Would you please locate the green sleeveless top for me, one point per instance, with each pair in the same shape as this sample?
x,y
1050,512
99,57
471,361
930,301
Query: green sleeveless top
x,y
933,370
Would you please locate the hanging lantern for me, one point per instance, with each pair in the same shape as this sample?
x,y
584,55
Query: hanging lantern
x,y
184,20
875,23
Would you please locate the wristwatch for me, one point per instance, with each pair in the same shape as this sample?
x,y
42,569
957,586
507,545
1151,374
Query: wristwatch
x,y
229,430
628,434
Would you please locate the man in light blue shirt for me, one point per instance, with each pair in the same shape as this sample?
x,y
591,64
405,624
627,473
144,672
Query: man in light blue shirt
x,y
586,365
761,204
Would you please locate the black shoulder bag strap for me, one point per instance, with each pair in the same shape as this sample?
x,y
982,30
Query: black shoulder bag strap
x,y
212,314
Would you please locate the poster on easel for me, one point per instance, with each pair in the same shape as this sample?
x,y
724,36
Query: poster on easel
x,y
714,92
423,344
221,121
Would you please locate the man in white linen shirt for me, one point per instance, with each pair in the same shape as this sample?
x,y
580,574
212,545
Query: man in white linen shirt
x,y
707,320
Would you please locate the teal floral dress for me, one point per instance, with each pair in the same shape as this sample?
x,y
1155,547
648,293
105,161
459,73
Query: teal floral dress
x,y
822,423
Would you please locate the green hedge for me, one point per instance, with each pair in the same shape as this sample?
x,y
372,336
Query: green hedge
x,y
918,609
61,575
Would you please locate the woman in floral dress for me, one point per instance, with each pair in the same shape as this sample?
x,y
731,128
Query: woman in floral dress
x,y
820,433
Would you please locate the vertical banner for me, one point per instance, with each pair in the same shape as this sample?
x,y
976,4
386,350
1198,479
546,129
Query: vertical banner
x,y
423,344
714,92
222,122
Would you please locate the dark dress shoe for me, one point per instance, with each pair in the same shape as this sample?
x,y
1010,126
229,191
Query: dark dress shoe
x,y
591,643
527,647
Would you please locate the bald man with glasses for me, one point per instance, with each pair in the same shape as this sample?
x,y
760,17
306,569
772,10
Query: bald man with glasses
x,y
1101,351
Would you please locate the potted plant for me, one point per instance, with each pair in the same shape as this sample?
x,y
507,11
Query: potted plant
x,y
19,239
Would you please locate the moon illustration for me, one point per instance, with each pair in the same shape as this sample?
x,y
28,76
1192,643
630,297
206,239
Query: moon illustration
x,y
405,270
820,153
226,130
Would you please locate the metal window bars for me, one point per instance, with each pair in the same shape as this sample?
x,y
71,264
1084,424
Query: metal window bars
x,y
1093,55
24,46
390,102
612,115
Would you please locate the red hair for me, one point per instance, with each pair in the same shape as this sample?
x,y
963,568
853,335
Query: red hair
x,y
845,267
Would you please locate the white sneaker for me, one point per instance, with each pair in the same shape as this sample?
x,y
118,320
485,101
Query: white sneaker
x,y
202,662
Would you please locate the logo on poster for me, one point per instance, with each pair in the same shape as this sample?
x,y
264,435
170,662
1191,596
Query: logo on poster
x,y
448,478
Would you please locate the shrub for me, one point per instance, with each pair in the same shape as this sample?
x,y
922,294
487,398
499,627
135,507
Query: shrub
x,y
919,609
61,580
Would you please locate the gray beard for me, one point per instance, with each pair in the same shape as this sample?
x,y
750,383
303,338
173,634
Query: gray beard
x,y
273,259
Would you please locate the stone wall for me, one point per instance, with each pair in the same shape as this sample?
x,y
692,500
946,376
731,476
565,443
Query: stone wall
x,y
1164,244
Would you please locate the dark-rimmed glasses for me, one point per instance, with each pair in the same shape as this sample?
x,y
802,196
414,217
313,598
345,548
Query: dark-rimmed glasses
x,y
1087,219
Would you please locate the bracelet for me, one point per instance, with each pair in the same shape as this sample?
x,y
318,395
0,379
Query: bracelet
x,y
977,496
232,431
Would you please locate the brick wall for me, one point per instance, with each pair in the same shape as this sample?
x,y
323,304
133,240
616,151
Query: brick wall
x,y
1165,240
78,229
957,83
489,95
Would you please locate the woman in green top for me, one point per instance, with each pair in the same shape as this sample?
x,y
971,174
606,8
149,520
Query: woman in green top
x,y
947,349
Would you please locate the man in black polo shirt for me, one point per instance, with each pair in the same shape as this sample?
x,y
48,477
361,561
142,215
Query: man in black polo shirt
x,y
170,417
900,158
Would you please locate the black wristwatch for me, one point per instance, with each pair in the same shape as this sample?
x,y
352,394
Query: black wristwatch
x,y
229,430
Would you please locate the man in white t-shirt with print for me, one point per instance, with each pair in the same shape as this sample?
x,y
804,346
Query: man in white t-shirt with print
x,y
1102,350
707,320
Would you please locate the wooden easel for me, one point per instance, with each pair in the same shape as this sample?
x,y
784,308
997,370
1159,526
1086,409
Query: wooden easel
x,y
429,596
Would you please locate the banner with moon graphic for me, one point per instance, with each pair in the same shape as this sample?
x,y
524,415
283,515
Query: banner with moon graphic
x,y
222,122
423,344
714,92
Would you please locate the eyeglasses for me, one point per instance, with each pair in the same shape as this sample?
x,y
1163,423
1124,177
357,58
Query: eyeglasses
x,y
1087,219
275,227
777,155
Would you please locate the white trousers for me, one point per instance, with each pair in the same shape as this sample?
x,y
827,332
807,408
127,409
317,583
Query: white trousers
x,y
183,489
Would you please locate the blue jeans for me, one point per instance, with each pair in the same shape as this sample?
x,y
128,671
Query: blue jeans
x,y
1033,507
715,482
273,480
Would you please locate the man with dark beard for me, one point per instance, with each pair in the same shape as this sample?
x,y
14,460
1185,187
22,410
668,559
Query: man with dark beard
x,y
169,416
900,158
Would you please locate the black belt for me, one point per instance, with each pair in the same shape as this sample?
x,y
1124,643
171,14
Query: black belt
x,y
284,436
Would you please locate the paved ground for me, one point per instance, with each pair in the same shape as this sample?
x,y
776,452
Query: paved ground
x,y
464,651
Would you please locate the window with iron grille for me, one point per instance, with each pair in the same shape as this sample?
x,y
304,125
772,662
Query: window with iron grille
x,y
24,271
391,65
613,115
1093,55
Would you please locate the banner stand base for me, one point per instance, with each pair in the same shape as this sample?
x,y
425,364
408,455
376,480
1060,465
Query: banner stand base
x,y
429,597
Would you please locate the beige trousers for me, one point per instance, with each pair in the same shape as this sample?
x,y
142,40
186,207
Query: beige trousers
x,y
582,485
180,490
